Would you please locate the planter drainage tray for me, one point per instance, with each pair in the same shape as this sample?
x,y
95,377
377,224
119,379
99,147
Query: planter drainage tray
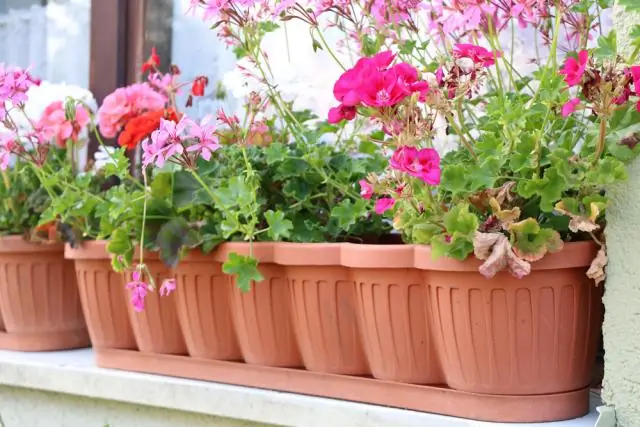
x,y
440,400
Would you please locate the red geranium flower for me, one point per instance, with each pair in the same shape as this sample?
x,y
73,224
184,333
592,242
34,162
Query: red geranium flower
x,y
152,63
199,84
140,127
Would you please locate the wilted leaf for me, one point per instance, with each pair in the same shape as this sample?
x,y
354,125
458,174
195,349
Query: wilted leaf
x,y
498,254
507,216
579,222
531,242
596,270
502,194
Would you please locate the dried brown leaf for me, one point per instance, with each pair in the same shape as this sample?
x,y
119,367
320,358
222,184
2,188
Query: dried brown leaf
x,y
502,194
498,254
498,259
596,270
506,216
579,222
484,242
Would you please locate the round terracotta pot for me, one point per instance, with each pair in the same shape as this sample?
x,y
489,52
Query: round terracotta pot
x,y
324,308
395,327
156,328
536,335
39,298
203,299
103,296
262,316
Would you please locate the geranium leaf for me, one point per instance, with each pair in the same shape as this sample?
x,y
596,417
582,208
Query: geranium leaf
x,y
245,270
279,226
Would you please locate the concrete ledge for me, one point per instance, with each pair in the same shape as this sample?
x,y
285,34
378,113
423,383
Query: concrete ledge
x,y
74,373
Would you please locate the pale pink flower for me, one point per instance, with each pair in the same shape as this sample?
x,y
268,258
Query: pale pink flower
x,y
125,103
574,69
384,204
14,84
168,286
8,147
570,107
205,137
165,142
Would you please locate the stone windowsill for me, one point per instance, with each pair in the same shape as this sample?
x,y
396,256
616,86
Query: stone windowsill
x,y
74,373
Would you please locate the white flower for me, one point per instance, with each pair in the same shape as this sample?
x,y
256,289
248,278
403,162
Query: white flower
x,y
103,157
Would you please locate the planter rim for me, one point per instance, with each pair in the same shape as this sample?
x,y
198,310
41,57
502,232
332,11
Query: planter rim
x,y
308,254
377,256
89,249
572,255
263,251
17,244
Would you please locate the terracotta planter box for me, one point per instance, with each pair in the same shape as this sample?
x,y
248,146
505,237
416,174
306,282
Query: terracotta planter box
x,y
324,308
203,298
103,296
536,335
262,317
396,328
156,329
39,298
436,335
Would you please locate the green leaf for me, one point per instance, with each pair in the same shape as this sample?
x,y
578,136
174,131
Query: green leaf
x,y
347,213
279,227
607,46
275,152
121,249
630,5
245,270
460,222
174,237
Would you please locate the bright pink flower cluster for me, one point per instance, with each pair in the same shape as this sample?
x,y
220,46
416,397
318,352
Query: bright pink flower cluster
x,y
55,125
479,55
635,75
125,103
14,84
373,82
574,69
421,163
174,139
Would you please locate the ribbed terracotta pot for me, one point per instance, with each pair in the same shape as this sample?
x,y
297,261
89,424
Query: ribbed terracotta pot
x,y
103,297
262,316
156,328
203,299
396,329
324,308
536,335
39,297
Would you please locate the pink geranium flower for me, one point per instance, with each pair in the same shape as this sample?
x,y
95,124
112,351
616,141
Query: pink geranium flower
x,y
573,69
168,286
125,103
478,54
570,107
138,289
340,113
206,141
366,189
423,164
384,204
165,142
55,124
635,74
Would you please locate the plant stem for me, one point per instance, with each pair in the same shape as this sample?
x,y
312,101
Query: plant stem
x,y
601,139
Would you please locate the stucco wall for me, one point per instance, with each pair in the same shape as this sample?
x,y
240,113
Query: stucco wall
x,y
622,295
31,408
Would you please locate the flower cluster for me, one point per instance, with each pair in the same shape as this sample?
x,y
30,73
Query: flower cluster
x,y
182,142
373,82
14,84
